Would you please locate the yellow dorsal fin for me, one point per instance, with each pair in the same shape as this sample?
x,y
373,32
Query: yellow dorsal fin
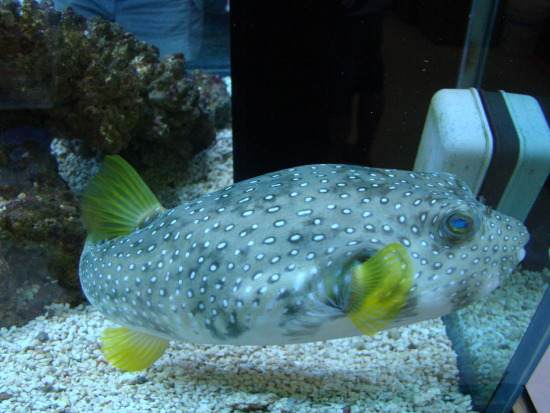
x,y
379,288
131,350
117,201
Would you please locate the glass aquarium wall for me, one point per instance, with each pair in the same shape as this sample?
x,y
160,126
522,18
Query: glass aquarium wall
x,y
197,95
214,52
512,55
422,47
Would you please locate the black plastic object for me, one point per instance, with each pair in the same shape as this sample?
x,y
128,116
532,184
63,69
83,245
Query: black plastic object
x,y
506,148
544,103
279,119
298,70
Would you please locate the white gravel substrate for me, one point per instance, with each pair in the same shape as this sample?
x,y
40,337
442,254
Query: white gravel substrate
x,y
54,364
490,330
73,167
208,171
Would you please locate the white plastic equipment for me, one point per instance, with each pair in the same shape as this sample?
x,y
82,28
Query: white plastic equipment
x,y
497,142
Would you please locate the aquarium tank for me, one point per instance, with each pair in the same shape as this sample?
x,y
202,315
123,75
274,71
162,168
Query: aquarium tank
x,y
274,206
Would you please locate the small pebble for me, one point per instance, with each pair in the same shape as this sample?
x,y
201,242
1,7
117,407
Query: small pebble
x,y
142,380
42,336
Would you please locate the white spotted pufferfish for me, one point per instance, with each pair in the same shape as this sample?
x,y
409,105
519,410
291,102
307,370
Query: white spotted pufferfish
x,y
305,254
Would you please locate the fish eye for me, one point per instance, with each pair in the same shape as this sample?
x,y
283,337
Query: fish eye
x,y
460,225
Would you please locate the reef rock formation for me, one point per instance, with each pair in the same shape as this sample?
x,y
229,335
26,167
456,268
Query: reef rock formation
x,y
93,81
41,234
89,84
214,97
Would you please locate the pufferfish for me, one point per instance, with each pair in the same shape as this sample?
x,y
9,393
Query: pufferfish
x,y
310,253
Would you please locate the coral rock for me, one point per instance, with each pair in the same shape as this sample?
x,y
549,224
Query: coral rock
x,y
41,234
93,81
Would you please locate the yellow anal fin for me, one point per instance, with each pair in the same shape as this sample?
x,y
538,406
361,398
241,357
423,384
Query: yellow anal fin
x,y
117,201
379,288
131,350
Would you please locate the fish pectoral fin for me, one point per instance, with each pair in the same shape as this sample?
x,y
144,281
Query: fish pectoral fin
x,y
117,201
131,350
380,287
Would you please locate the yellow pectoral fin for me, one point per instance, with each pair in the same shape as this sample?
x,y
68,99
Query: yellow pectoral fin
x,y
131,350
380,287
